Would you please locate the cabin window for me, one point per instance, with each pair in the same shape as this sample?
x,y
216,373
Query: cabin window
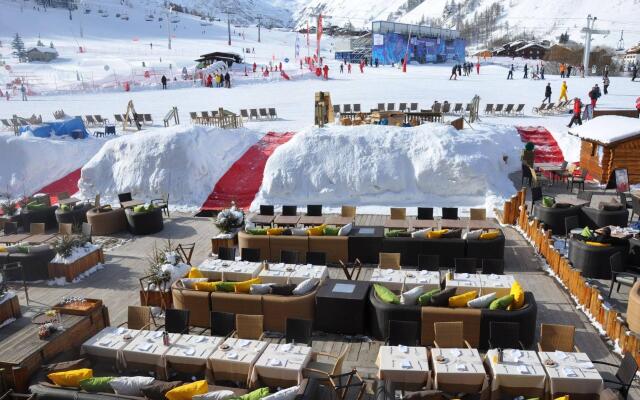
x,y
600,154
594,149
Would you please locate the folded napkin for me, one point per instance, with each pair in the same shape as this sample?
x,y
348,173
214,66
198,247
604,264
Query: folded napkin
x,y
232,355
243,343
158,334
145,346
561,355
464,275
121,331
274,362
201,339
524,369
104,342
237,269
515,353
422,280
493,277
455,352
461,367
403,349
569,372
287,347
386,278
189,352
387,271
586,365
406,364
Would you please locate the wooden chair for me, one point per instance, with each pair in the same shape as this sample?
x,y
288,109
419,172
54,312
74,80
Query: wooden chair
x,y
348,212
351,270
478,214
389,261
163,203
65,229
449,335
398,213
185,251
348,386
249,326
36,228
323,370
138,317
554,337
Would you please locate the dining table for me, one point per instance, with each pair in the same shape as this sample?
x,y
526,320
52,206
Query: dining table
x,y
217,269
573,374
519,373
281,365
458,370
280,273
394,279
405,366
233,360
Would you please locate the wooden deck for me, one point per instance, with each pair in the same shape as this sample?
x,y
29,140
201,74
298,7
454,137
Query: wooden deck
x,y
117,285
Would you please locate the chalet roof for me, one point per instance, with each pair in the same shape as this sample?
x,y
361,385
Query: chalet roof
x,y
531,45
608,129
43,49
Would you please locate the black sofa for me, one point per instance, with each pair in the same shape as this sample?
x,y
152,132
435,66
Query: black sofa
x,y
525,316
35,264
593,261
482,249
595,218
46,215
77,215
553,217
380,313
145,222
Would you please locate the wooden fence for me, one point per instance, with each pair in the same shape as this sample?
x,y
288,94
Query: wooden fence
x,y
515,212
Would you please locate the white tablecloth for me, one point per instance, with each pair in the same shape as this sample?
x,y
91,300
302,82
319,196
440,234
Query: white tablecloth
x,y
289,273
147,348
498,284
403,365
393,278
282,362
236,362
192,349
108,342
572,373
216,269
465,283
520,371
461,370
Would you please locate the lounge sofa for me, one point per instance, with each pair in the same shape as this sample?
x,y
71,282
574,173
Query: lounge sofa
x,y
106,222
46,215
76,215
275,308
335,247
482,249
554,217
595,218
144,222
593,261
476,321
35,264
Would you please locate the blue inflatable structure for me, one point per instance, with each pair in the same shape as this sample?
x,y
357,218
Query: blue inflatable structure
x,y
73,127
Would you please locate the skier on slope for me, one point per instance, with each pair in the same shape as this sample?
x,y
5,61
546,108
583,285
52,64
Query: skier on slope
x,y
453,72
577,109
510,74
547,93
325,70
164,82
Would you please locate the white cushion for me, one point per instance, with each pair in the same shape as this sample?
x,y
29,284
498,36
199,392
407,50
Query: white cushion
x,y
299,232
260,288
344,231
130,385
422,233
482,301
190,283
410,297
472,235
284,394
217,395
305,286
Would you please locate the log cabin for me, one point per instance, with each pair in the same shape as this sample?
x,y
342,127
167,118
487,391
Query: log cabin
x,y
610,142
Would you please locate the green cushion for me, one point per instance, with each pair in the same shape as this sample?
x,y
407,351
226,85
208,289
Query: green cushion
x,y
139,208
34,205
502,303
548,201
226,287
256,394
385,294
150,207
397,233
100,384
257,231
331,231
586,232
23,249
65,208
425,299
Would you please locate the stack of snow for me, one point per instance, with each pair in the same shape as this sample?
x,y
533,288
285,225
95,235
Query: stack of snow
x,y
429,165
185,162
27,164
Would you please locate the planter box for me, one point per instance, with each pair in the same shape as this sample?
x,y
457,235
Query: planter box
x,y
153,298
72,270
86,307
9,309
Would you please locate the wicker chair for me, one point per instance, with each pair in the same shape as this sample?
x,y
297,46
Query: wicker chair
x,y
555,337
323,370
478,214
348,211
36,228
449,335
249,326
138,317
389,261
398,213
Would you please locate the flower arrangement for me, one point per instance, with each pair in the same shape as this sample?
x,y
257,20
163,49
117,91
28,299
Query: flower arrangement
x,y
46,330
229,219
157,275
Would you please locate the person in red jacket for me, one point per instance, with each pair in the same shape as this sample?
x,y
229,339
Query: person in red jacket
x,y
349,68
254,67
325,69
362,67
577,110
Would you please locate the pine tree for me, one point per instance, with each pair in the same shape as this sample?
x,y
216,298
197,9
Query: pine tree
x,y
51,45
39,44
18,48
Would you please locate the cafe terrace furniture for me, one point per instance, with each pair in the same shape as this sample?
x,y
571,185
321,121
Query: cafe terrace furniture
x,y
144,222
46,215
107,222
633,308
35,263
216,269
340,307
597,218
72,270
593,261
554,217
571,374
190,353
75,216
406,367
396,279
295,274
9,306
275,308
365,243
335,247
519,373
281,365
235,358
458,370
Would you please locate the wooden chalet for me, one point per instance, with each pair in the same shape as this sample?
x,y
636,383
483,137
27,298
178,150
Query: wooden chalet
x,y
608,143
210,58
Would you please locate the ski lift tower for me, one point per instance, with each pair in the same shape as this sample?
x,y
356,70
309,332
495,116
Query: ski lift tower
x,y
169,10
621,41
588,31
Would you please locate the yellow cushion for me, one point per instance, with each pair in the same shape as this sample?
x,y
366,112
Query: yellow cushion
x,y
187,391
3,249
598,244
70,378
243,287
461,300
565,397
316,231
436,234
489,235
275,231
195,273
206,286
518,296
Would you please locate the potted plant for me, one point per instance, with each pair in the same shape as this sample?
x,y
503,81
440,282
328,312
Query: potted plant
x,y
230,220
75,255
528,154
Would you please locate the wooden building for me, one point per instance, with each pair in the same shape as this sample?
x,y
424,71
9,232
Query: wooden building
x,y
531,51
227,57
607,143
42,53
